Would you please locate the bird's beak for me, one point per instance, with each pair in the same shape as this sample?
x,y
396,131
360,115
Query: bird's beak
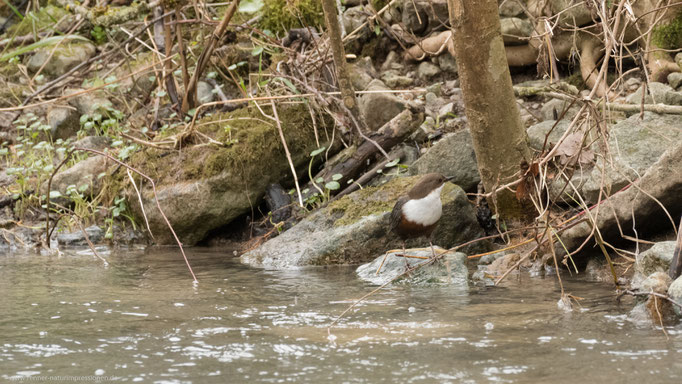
x,y
449,178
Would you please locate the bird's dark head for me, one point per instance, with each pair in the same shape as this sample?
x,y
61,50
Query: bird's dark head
x,y
427,184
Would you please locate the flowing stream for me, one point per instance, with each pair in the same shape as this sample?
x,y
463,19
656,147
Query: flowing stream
x,y
69,318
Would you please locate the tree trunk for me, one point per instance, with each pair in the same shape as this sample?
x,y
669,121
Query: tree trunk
x,y
342,76
499,137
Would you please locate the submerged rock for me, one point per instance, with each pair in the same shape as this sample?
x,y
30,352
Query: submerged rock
x,y
77,238
450,270
355,228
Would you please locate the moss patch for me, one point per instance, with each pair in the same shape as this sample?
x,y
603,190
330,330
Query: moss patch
x,y
46,17
279,16
372,200
253,150
669,35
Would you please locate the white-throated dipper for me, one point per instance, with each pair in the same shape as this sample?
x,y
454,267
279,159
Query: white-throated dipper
x,y
417,213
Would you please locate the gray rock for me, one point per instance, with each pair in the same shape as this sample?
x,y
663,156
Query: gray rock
x,y
394,80
379,108
436,89
678,59
98,143
673,98
64,58
355,228
656,259
451,270
558,106
447,62
489,259
432,101
89,102
452,156
205,92
83,174
538,132
391,59
675,79
657,282
64,122
675,293
355,17
571,13
632,84
511,8
446,111
7,218
515,31
423,16
77,238
663,185
656,94
425,130
427,70
636,144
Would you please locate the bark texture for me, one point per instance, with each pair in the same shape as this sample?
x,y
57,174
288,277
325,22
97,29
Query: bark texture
x,y
342,75
499,137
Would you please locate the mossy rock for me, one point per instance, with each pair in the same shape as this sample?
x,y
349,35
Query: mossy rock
x,y
279,16
44,18
669,35
204,187
355,229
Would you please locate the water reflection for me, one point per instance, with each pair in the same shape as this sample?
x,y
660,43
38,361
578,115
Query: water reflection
x,y
141,319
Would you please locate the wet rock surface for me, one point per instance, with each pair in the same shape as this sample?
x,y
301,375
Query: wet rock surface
x,y
77,238
451,269
355,229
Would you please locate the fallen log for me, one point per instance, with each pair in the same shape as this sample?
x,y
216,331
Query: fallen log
x,y
386,137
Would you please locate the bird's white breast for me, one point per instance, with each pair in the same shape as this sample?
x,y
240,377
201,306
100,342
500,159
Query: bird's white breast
x,y
425,211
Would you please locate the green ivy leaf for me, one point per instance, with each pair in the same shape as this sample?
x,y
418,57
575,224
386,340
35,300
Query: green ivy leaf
x,y
392,163
332,185
317,151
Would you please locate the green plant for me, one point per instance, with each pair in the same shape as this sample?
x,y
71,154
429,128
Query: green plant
x,y
99,34
280,16
322,195
104,122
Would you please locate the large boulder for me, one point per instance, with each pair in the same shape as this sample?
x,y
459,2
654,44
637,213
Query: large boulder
x,y
355,229
452,156
635,144
204,187
660,186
